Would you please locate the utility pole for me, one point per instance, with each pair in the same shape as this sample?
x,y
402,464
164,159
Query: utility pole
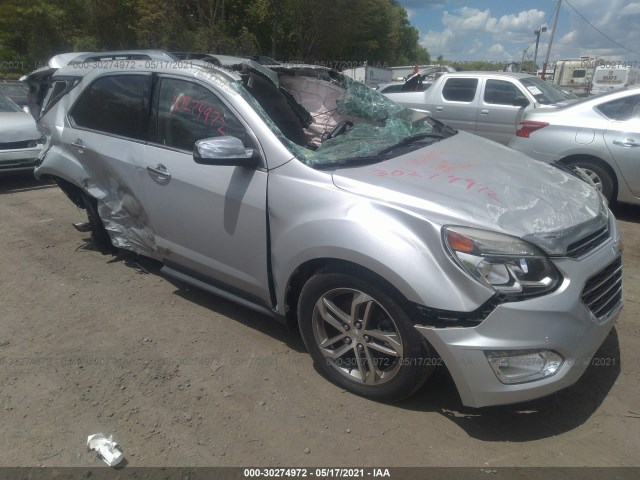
x,y
553,31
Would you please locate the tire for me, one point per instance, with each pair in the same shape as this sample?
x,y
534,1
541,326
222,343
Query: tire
x,y
378,332
99,235
600,177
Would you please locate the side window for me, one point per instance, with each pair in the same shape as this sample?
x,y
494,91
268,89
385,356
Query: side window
x,y
460,89
117,104
621,109
188,112
579,73
499,92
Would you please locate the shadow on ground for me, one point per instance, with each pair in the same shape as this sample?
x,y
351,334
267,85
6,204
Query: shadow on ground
x,y
626,213
538,419
21,182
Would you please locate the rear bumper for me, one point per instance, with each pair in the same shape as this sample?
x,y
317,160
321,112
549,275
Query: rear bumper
x,y
18,160
560,322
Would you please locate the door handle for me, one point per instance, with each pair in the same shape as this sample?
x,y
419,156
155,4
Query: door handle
x,y
79,144
484,111
160,170
627,142
439,109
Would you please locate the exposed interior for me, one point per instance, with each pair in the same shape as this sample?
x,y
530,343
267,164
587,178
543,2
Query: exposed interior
x,y
330,116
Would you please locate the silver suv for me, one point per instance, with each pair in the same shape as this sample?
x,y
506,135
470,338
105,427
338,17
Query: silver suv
x,y
395,243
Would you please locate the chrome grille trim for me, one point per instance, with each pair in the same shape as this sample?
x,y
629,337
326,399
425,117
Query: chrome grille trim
x,y
588,243
603,291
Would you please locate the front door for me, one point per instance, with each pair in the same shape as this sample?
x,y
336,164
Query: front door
x,y
208,219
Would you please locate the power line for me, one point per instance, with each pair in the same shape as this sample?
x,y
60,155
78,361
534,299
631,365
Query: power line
x,y
600,31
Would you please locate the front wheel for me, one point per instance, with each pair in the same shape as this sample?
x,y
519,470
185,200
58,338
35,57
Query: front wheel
x,y
361,339
598,175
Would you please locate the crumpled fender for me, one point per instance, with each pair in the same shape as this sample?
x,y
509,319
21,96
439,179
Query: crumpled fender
x,y
58,163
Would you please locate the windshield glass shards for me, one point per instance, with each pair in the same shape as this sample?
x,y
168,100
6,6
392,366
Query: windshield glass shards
x,y
350,122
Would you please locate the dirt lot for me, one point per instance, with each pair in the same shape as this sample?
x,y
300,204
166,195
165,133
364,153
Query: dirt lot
x,y
92,343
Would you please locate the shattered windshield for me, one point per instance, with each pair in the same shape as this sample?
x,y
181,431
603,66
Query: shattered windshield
x,y
344,121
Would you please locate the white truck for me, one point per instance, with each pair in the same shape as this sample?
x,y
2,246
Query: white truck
x,y
489,104
574,75
370,75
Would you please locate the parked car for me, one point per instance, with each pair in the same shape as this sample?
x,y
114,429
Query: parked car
x,y
489,104
16,91
20,141
599,134
394,242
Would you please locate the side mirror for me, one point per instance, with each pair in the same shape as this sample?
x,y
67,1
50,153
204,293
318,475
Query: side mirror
x,y
225,151
520,102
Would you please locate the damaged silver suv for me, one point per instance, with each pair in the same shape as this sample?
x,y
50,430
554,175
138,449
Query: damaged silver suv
x,y
394,242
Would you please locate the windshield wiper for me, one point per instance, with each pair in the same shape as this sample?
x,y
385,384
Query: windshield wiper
x,y
410,140
443,127
352,162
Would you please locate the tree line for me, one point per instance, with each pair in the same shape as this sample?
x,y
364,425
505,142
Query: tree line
x,y
310,31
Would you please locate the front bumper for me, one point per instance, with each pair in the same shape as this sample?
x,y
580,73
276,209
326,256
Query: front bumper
x,y
560,322
19,160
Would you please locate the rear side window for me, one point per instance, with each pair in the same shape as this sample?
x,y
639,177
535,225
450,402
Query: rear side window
x,y
188,112
117,104
460,89
499,92
621,109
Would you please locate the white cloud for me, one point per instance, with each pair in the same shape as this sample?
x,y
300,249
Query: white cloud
x,y
465,30
631,9
468,20
498,51
525,21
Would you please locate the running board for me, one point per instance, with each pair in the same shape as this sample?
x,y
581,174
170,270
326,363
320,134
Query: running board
x,y
207,287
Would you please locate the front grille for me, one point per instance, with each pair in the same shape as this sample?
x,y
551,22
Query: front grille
x,y
15,145
588,243
603,292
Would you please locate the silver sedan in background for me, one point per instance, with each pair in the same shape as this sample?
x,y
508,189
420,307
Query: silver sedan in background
x,y
20,141
599,134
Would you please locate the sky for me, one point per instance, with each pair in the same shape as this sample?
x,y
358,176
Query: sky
x,y
499,30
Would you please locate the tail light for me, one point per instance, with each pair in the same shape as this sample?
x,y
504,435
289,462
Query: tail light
x,y
527,127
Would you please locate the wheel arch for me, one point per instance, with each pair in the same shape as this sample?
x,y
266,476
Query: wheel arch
x,y
308,269
598,161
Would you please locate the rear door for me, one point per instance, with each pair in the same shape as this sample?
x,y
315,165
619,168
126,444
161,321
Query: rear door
x,y
497,117
623,138
210,221
457,103
107,135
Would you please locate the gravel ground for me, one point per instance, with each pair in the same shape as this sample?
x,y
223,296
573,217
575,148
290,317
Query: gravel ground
x,y
98,343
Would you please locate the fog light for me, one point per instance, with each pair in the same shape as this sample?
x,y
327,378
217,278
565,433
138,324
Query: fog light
x,y
520,366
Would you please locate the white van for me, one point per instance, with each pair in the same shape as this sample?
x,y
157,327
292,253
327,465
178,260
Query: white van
x,y
607,78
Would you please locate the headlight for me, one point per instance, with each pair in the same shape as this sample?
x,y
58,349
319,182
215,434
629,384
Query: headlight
x,y
506,264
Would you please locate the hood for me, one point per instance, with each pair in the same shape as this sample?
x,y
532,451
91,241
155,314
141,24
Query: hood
x,y
467,180
17,127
